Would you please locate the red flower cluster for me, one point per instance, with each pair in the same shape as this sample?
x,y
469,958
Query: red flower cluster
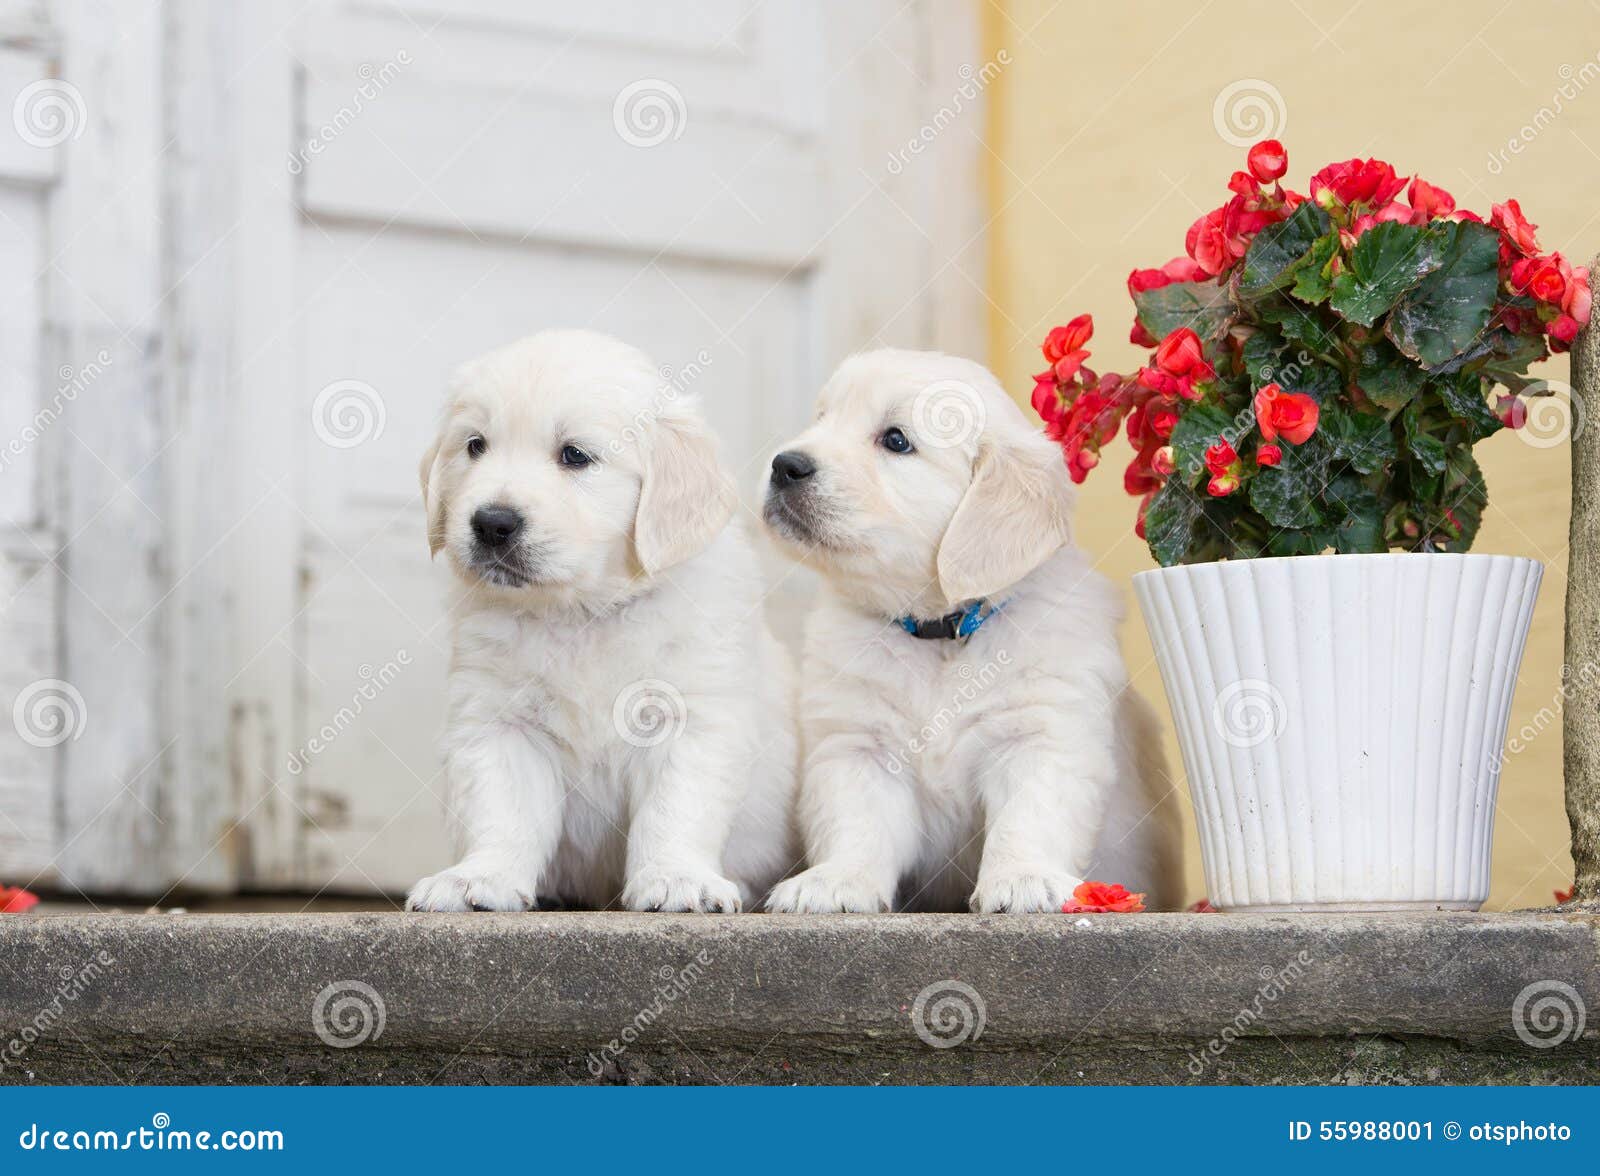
x,y
1560,289
1203,363
1095,898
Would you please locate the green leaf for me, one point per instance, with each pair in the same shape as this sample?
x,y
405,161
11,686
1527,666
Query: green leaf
x,y
1197,430
1309,541
1446,311
1428,451
1300,324
1262,355
1466,494
1311,279
1463,397
1389,379
1385,262
1287,495
1360,514
1363,440
1271,261
1170,522
1203,307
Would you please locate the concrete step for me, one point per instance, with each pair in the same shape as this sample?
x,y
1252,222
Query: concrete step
x,y
568,997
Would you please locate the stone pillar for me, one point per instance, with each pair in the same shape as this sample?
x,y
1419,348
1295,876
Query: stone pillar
x,y
1582,709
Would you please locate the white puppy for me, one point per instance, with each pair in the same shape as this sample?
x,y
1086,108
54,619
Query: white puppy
x,y
997,769
620,719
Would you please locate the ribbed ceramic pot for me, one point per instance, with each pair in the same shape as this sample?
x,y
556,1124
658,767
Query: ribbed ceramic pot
x,y
1342,719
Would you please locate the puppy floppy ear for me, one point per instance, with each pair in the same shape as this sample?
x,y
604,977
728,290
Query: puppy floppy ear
x,y
686,499
1016,514
432,497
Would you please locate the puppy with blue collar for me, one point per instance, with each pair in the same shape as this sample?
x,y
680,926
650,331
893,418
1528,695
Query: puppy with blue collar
x,y
969,735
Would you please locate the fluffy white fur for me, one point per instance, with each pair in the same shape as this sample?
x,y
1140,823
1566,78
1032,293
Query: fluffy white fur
x,y
620,719
997,772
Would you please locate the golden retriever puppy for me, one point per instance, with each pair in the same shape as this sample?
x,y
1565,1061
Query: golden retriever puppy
x,y
969,734
619,727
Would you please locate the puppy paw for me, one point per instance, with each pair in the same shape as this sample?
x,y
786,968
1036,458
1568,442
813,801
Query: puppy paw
x,y
828,890
1022,893
463,889
681,890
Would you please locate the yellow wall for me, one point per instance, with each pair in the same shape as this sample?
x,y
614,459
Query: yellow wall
x,y
1103,150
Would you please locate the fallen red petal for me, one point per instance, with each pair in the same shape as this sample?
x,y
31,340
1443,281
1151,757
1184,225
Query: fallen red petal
x,y
14,900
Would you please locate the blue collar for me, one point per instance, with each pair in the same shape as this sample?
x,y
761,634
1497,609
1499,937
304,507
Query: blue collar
x,y
959,625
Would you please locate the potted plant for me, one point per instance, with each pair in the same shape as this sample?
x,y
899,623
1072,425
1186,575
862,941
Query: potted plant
x,y
1339,670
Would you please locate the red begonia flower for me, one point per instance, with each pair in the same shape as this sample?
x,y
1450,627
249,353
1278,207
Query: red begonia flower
x,y
1091,898
1290,415
14,900
1268,160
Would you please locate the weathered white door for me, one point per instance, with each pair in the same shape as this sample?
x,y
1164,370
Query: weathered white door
x,y
360,196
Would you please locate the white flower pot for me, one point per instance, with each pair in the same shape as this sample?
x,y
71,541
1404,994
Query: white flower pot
x,y
1342,720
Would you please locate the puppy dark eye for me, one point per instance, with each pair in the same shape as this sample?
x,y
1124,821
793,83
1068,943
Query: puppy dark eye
x,y
895,441
571,455
476,447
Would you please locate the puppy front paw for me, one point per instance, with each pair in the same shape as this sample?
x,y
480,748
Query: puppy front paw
x,y
1022,893
461,888
681,890
828,890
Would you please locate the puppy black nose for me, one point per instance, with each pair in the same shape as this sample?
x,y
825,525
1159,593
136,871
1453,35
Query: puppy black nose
x,y
495,526
791,466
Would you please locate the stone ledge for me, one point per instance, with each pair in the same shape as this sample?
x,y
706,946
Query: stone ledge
x,y
536,998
